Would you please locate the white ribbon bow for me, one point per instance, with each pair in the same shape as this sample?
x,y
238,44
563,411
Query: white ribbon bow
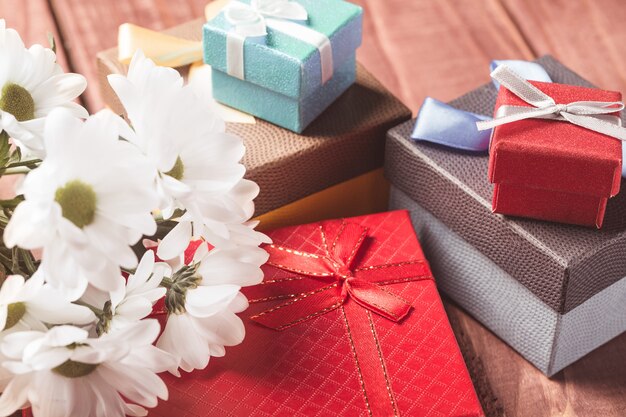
x,y
252,20
249,20
592,115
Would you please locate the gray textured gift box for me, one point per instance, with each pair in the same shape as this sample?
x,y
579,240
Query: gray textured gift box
x,y
553,292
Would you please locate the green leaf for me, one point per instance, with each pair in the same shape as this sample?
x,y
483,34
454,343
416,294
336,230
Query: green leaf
x,y
11,204
5,149
29,261
16,156
52,42
15,259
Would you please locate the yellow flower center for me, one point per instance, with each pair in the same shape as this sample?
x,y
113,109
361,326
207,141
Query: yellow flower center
x,y
71,369
78,202
178,170
17,101
15,312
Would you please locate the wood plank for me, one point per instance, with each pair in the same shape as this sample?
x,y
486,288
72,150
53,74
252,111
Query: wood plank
x,y
91,26
404,50
371,53
592,386
587,36
438,48
33,20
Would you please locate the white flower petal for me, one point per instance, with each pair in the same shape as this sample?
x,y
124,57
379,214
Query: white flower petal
x,y
225,329
228,266
137,384
31,226
58,89
207,301
135,308
15,395
142,273
11,288
51,307
175,242
13,344
194,354
107,401
50,358
65,335
118,294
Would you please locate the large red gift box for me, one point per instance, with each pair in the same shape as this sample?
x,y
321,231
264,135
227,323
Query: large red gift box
x,y
347,322
362,333
554,170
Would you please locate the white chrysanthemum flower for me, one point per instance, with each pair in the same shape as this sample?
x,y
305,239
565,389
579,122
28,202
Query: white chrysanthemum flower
x,y
64,372
196,162
203,299
135,298
29,305
32,84
85,204
32,304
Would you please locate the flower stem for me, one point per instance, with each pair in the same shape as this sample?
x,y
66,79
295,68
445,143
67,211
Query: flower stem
x,y
30,163
95,310
166,282
6,262
12,203
15,260
29,261
14,171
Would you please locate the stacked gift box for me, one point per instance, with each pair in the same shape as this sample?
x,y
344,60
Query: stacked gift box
x,y
333,170
362,330
554,292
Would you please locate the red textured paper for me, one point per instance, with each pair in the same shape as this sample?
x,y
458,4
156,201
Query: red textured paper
x,y
553,170
309,370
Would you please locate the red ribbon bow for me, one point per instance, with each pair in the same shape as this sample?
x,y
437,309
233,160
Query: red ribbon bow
x,y
341,276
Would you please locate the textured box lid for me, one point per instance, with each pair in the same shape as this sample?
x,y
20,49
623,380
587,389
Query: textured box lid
x,y
563,265
345,141
552,155
282,63
315,368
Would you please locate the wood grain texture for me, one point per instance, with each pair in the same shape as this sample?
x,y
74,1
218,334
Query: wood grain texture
x,y
437,48
589,36
33,20
593,386
91,26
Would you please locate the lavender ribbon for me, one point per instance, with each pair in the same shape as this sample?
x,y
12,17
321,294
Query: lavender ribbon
x,y
440,123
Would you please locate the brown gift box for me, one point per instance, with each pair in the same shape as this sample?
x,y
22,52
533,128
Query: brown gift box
x,y
346,141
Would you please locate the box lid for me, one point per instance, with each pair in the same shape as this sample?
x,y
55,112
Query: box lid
x,y
283,63
556,155
563,265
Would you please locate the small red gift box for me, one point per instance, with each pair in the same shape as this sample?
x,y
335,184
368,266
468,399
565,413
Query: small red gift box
x,y
554,170
347,322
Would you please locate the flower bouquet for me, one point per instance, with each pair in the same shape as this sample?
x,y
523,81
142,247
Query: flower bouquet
x,y
118,226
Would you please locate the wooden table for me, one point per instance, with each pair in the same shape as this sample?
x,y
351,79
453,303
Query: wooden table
x,y
439,48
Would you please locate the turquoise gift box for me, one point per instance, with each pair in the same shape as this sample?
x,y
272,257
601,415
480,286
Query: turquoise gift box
x,y
282,74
